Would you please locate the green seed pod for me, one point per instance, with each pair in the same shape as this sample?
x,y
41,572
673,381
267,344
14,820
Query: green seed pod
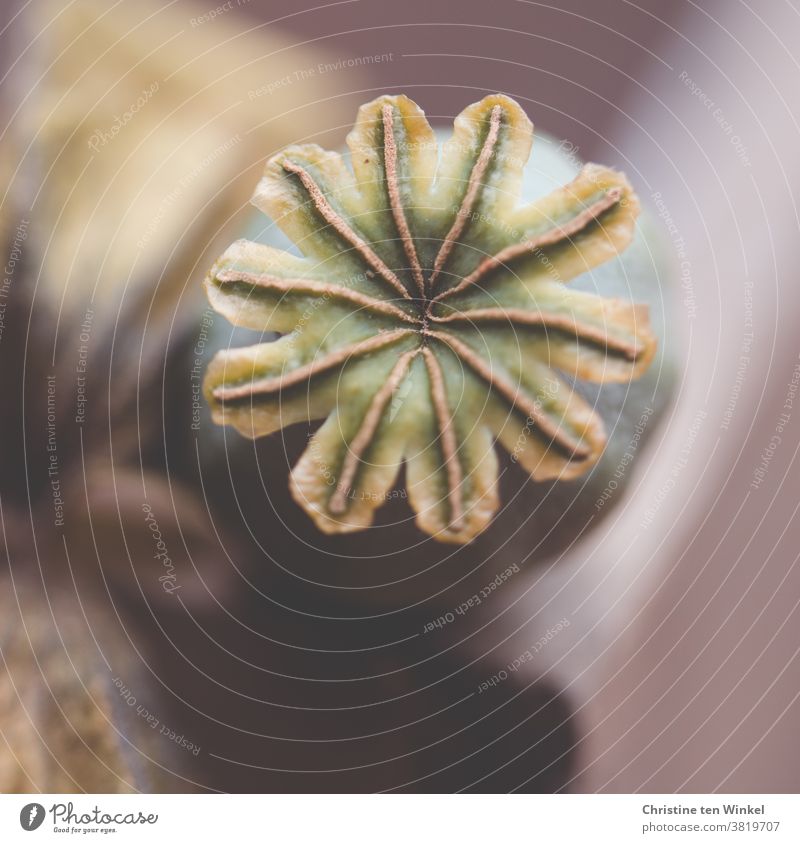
x,y
429,316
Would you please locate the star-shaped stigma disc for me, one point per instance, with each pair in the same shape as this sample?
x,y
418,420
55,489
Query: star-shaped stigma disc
x,y
428,317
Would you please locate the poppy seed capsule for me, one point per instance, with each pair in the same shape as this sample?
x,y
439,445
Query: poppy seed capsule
x,y
428,317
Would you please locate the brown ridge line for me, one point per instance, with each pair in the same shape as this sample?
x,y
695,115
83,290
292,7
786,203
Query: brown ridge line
x,y
390,164
568,443
455,476
366,432
557,321
473,186
330,216
274,384
308,285
554,235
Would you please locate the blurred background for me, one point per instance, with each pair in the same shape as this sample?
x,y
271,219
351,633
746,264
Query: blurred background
x,y
254,654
